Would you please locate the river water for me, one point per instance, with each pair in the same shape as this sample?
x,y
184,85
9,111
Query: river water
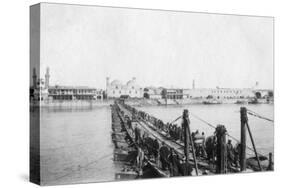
x,y
227,115
76,144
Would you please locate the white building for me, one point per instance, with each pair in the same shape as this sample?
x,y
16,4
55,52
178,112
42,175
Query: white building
x,y
116,89
218,93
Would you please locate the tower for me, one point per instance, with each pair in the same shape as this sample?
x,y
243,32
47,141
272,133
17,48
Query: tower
x,y
193,84
34,77
107,87
107,82
47,77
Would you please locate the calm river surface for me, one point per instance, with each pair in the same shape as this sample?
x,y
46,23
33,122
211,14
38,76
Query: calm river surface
x,y
227,115
76,144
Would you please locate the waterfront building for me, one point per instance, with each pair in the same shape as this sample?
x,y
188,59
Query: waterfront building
x,y
42,90
216,93
224,93
38,90
172,94
74,93
153,93
116,89
219,93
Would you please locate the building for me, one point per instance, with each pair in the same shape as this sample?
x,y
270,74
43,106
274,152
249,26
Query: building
x,y
42,90
153,93
116,89
172,94
218,93
39,89
74,93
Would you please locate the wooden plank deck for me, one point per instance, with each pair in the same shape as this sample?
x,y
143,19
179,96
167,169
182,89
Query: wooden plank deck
x,y
170,143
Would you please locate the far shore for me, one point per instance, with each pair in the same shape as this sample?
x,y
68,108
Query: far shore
x,y
132,102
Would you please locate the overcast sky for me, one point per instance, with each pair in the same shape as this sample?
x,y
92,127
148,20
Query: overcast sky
x,y
83,45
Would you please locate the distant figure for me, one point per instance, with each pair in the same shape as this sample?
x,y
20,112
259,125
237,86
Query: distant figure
x,y
140,159
137,135
210,145
202,146
155,146
129,122
192,135
164,153
173,164
148,142
230,153
198,143
203,137
237,151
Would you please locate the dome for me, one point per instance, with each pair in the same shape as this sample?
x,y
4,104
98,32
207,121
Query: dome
x,y
131,82
116,82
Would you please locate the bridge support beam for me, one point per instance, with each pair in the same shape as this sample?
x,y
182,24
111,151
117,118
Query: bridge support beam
x,y
221,150
187,143
244,120
185,124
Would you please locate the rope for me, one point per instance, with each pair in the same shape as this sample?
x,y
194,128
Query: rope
x,y
214,127
252,113
235,139
175,119
202,120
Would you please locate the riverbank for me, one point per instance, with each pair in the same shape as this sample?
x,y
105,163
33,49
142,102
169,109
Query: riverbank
x,y
159,102
132,102
71,103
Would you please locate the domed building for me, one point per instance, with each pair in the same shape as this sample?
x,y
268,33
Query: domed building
x,y
116,89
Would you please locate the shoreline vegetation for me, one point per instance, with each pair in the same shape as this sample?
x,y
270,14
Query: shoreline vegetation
x,y
138,102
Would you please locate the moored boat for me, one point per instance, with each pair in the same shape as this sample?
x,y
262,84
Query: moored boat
x,y
213,101
253,101
241,102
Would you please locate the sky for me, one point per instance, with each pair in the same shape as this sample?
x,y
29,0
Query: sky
x,y
82,45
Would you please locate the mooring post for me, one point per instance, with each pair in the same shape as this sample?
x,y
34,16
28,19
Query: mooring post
x,y
185,124
244,120
221,149
192,144
270,164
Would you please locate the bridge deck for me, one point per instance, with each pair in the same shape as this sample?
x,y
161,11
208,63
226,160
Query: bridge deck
x,y
178,147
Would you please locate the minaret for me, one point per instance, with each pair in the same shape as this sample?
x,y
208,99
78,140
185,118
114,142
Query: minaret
x,y
107,86
34,77
193,84
47,77
107,82
257,84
